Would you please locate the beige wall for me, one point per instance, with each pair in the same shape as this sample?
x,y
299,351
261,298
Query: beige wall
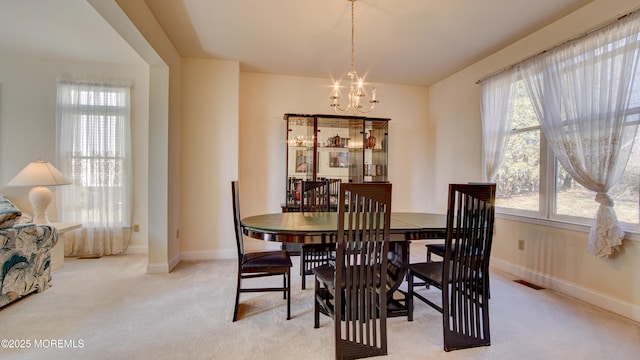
x,y
210,125
556,257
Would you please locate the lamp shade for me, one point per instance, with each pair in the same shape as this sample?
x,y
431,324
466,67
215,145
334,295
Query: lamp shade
x,y
39,173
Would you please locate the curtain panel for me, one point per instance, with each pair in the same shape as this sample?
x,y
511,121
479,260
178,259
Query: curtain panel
x,y
496,109
581,92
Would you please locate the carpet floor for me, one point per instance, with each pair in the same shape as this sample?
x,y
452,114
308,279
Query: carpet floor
x,y
109,308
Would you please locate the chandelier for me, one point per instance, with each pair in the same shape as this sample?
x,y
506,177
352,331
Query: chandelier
x,y
357,90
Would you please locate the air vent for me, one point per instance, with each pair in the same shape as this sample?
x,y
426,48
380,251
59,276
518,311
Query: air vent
x,y
526,283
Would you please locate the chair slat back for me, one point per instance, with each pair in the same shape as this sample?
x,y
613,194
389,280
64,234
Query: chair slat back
x,y
235,192
361,263
314,196
470,220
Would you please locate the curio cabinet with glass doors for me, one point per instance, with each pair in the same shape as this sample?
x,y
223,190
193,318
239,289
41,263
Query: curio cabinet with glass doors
x,y
336,149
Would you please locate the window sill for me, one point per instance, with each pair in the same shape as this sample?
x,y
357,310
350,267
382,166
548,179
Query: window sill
x,y
629,235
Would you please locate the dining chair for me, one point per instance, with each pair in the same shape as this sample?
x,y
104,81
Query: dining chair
x,y
463,274
258,264
315,196
353,290
438,248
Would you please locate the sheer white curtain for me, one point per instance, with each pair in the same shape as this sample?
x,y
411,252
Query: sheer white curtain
x,y
94,150
496,108
581,92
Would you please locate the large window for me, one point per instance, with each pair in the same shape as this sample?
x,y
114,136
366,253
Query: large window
x,y
531,183
94,149
577,105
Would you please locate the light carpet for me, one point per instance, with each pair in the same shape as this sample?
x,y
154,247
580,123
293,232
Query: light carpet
x,y
109,308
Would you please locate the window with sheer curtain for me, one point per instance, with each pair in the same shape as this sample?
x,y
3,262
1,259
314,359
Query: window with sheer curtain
x,y
571,151
94,150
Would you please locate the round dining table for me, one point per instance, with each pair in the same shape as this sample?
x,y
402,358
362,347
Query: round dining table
x,y
321,227
318,227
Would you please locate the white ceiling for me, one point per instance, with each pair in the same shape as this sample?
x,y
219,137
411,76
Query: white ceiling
x,y
397,41
64,29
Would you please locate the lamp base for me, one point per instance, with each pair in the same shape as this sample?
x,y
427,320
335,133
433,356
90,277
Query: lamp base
x,y
40,198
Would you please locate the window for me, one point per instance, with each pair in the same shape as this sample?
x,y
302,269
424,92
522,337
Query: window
x,y
518,179
94,149
588,96
576,204
523,177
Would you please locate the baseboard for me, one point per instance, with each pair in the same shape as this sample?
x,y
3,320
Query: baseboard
x,y
209,255
603,301
157,268
137,250
163,268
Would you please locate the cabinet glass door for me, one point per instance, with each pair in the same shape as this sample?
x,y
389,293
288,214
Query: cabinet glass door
x,y
300,155
375,151
337,145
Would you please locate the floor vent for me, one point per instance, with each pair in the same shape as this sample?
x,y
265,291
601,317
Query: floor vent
x,y
526,283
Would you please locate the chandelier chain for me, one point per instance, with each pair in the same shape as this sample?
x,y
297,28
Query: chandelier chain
x,y
353,36
357,90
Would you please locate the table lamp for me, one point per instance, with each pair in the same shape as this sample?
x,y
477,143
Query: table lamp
x,y
39,174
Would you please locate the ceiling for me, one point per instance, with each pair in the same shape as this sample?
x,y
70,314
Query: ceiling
x,y
64,29
416,42
397,41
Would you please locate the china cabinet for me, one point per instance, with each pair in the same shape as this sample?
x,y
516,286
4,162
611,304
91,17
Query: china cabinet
x,y
334,148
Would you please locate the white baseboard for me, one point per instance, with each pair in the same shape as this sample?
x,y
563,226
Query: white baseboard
x,y
209,255
163,268
137,249
158,268
604,301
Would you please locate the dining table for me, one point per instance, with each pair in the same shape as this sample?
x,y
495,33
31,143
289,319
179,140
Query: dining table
x,y
322,227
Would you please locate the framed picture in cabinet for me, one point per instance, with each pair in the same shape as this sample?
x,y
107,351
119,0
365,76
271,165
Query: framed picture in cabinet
x,y
339,159
301,161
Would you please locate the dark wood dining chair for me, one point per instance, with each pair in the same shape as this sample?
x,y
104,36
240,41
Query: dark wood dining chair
x,y
438,248
463,274
258,264
354,290
315,196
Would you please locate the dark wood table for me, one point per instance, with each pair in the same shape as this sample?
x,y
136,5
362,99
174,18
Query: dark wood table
x,y
321,227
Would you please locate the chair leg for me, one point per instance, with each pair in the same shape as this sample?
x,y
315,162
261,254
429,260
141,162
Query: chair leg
x,y
316,307
284,285
409,297
235,309
426,286
288,293
302,267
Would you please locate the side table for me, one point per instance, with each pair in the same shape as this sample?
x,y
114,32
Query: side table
x,y
57,253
